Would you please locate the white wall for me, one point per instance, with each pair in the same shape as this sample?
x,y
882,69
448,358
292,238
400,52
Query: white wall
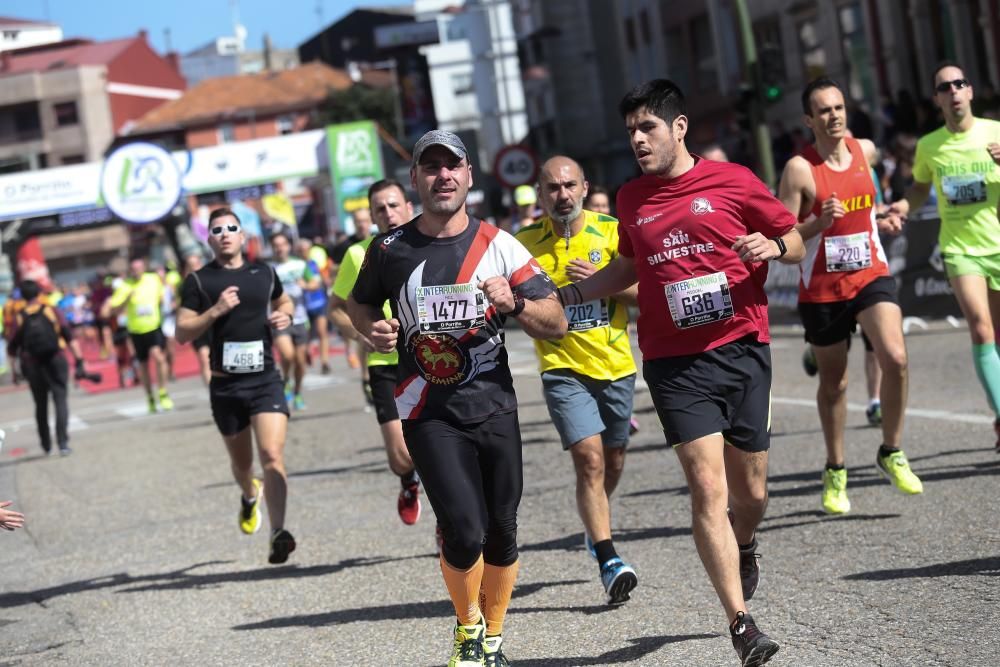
x,y
18,36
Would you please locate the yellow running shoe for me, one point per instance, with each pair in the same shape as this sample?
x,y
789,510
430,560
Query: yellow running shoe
x,y
165,401
835,499
493,652
468,650
896,469
250,511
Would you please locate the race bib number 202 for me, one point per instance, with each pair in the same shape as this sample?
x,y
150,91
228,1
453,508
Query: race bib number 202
x,y
701,300
450,307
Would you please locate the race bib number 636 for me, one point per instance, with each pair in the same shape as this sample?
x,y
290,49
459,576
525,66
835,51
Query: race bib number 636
x,y
701,300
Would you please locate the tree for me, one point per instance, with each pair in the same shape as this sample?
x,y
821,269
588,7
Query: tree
x,y
359,102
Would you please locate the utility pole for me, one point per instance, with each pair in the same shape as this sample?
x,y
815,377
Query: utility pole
x,y
752,78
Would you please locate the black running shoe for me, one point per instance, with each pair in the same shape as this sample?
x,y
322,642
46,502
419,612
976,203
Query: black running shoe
x,y
749,570
282,544
753,646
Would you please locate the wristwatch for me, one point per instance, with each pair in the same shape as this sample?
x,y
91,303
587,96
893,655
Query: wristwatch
x,y
782,248
518,305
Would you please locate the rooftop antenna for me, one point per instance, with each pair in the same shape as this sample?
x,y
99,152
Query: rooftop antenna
x,y
166,40
319,11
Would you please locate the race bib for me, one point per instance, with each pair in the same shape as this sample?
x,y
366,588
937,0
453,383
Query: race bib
x,y
589,315
697,301
852,252
145,310
450,307
965,189
243,356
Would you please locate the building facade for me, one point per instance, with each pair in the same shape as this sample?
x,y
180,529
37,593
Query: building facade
x,y
64,103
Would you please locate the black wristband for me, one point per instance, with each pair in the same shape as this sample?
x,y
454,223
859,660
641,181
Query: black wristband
x,y
559,295
579,294
518,305
782,248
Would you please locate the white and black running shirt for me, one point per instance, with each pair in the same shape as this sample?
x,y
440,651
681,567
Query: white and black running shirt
x,y
452,359
241,339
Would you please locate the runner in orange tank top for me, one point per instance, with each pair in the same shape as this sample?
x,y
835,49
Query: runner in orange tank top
x,y
845,281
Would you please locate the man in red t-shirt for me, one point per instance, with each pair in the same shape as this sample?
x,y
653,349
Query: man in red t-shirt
x,y
697,235
845,280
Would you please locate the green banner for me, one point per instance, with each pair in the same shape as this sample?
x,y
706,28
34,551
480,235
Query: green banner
x,y
355,163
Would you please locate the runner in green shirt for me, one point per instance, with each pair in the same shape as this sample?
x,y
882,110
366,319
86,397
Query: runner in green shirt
x,y
960,160
389,209
140,296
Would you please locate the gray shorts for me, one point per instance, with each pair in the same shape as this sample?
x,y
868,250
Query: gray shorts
x,y
581,406
298,332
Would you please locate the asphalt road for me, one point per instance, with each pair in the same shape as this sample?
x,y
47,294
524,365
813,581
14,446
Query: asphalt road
x,y
132,555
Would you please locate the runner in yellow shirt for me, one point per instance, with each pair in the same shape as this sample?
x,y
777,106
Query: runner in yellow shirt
x,y
140,296
588,377
960,160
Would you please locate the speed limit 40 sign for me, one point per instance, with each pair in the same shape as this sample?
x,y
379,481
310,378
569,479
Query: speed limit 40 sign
x,y
515,165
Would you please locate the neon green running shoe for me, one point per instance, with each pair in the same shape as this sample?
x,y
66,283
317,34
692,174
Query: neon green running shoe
x,y
468,650
250,511
493,652
835,500
896,469
152,405
165,401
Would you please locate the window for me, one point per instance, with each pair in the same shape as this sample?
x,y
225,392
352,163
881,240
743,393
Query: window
x,y
630,40
461,83
860,82
285,124
677,57
227,133
647,37
65,113
705,67
813,54
72,159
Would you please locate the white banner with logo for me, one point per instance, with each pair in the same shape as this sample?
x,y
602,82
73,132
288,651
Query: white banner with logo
x,y
30,194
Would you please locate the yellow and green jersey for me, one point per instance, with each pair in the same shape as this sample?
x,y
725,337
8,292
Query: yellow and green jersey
x,y
347,275
967,182
597,344
142,313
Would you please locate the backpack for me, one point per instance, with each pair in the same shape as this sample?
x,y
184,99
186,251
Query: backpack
x,y
40,337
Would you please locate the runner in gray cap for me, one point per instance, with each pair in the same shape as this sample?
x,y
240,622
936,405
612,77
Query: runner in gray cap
x,y
444,138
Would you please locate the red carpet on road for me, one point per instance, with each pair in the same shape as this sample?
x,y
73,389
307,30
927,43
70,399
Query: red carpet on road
x,y
185,365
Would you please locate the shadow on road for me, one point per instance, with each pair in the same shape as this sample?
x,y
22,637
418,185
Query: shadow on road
x,y
390,612
183,579
640,648
975,566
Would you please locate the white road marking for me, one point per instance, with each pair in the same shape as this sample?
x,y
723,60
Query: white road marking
x,y
943,415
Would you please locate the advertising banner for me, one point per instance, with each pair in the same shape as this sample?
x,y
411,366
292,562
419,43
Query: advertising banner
x,y
242,163
141,182
355,163
30,194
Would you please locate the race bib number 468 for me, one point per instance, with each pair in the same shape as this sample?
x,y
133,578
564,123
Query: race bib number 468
x,y
450,307
697,301
243,357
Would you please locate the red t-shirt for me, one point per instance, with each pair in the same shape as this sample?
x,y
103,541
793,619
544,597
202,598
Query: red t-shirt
x,y
848,255
694,292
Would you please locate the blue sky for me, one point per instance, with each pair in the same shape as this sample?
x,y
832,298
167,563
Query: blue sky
x,y
192,23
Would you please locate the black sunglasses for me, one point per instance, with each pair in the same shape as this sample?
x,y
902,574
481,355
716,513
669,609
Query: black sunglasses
x,y
232,229
945,86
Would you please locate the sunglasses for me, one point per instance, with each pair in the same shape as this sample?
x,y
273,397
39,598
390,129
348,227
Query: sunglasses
x,y
945,86
232,229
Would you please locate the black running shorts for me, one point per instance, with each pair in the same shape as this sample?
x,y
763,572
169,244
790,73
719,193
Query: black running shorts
x,y
143,343
831,323
383,383
724,390
236,399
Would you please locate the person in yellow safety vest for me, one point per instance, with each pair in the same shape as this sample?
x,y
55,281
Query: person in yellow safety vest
x,y
140,296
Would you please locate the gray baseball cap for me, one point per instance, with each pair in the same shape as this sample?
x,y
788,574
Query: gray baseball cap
x,y
444,138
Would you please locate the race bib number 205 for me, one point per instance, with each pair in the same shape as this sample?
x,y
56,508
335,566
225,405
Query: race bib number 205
x,y
697,301
450,307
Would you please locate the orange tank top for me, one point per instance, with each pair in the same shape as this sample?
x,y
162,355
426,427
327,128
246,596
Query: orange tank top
x,y
843,259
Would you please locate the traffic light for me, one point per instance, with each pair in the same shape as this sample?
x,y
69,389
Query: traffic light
x,y
772,73
744,107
